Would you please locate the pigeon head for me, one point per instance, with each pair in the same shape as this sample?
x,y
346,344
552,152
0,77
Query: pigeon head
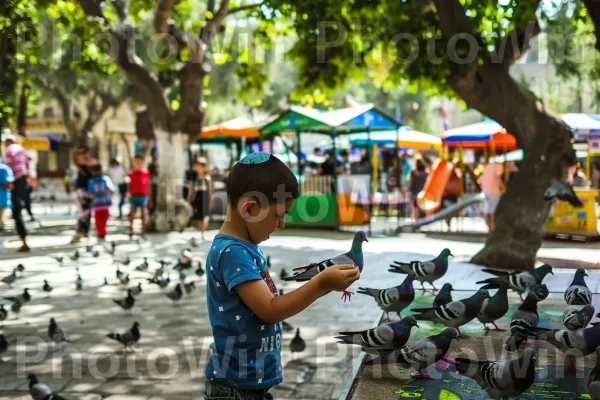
x,y
140,285
32,378
410,320
542,271
45,281
450,333
297,332
579,274
52,321
136,325
360,237
446,253
447,287
483,293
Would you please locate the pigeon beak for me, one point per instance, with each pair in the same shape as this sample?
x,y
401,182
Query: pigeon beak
x,y
585,274
417,325
366,240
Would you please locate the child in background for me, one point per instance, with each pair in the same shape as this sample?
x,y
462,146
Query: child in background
x,y
244,307
200,192
139,192
6,185
67,183
100,190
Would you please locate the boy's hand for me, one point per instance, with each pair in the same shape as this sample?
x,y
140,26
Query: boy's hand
x,y
338,277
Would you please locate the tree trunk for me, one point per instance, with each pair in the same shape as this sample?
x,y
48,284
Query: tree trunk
x,y
172,212
22,113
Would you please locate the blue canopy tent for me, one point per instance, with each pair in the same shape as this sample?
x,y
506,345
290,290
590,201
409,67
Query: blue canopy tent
x,y
584,126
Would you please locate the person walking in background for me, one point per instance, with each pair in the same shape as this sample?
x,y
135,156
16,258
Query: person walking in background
x,y
84,162
139,191
416,182
492,187
201,194
27,202
67,182
118,176
100,189
17,160
576,176
7,180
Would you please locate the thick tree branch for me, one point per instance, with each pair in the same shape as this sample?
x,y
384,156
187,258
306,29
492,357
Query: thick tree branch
x,y
65,105
244,8
593,9
514,45
93,8
93,113
221,14
162,13
121,9
453,18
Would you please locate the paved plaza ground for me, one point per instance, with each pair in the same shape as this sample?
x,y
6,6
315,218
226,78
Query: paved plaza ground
x,y
170,358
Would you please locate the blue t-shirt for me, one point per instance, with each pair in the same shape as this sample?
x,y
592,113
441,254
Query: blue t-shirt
x,y
97,186
246,353
6,176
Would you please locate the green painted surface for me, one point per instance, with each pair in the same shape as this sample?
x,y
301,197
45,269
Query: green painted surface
x,y
320,210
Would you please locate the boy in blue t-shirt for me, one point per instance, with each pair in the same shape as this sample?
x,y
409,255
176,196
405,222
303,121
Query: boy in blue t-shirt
x,y
244,309
6,184
100,189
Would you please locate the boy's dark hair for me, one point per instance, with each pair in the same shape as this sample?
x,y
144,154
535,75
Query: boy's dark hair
x,y
264,174
139,157
96,168
344,153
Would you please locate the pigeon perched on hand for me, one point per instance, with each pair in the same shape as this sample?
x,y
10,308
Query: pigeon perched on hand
x,y
593,385
444,296
354,257
176,294
394,299
518,281
523,323
56,333
127,303
135,290
563,192
494,308
383,337
500,379
578,294
10,279
3,313
41,391
578,317
417,356
297,345
128,339
23,298
455,314
425,271
47,288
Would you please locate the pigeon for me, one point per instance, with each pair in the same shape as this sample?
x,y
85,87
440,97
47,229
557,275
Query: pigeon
x,y
3,313
47,288
297,345
112,249
578,294
176,294
41,391
584,340
455,314
518,281
286,327
268,261
578,317
185,262
16,307
119,274
563,192
10,279
541,291
23,298
394,299
189,287
95,253
354,257
20,268
523,323
500,379
182,276
56,333
416,356
124,279
444,296
79,283
135,290
425,271
3,344
194,242
494,308
89,248
162,282
127,303
593,385
383,337
143,266
159,272
126,261
105,283
200,271
75,256
129,338
59,257
284,274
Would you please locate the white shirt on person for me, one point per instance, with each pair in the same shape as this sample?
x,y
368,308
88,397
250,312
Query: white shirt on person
x,y
117,175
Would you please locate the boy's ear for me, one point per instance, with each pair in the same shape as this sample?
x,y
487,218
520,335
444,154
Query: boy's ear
x,y
247,207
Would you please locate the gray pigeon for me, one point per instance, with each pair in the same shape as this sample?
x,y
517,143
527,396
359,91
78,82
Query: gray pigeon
x,y
128,339
444,296
518,281
541,291
594,379
578,317
79,283
425,271
578,294
56,333
585,340
418,355
176,294
297,345
523,323
564,192
384,337
393,299
135,290
189,287
23,298
3,313
16,308
143,266
354,257
455,314
10,279
47,288
500,379
3,344
494,308
127,303
41,391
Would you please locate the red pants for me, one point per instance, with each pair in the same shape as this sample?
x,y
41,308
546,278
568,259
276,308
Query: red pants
x,y
100,219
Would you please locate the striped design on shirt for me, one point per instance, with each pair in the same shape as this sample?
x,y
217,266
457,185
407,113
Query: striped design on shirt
x,y
17,159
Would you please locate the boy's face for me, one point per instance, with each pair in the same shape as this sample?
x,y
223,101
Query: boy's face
x,y
200,168
138,163
261,222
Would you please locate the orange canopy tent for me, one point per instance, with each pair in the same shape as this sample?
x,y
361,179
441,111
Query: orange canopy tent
x,y
234,128
481,135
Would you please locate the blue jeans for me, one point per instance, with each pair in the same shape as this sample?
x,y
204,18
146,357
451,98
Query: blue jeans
x,y
214,390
